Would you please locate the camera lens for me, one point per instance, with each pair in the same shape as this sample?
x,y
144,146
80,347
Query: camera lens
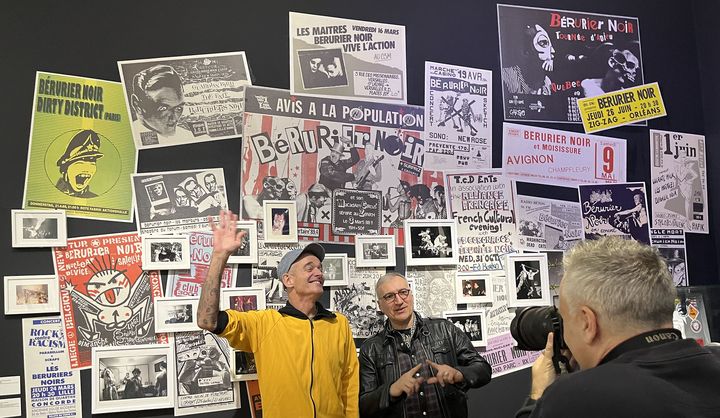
x,y
531,326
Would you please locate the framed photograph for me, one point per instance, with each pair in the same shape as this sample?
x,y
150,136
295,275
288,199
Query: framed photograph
x,y
242,299
248,251
472,323
335,270
430,242
243,366
132,378
176,314
375,251
166,252
31,294
39,228
280,221
528,280
473,287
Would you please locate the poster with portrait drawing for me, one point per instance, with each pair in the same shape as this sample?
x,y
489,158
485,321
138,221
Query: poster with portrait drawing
x,y
188,282
671,245
353,168
550,58
615,209
81,152
106,297
357,301
679,181
434,289
185,100
178,201
345,58
458,117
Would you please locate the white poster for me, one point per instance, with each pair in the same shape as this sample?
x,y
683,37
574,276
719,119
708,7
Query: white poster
x,y
671,245
679,181
458,115
52,388
546,224
562,158
344,58
434,289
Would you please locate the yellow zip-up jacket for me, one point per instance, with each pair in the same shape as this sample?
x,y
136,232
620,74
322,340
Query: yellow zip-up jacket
x,y
306,368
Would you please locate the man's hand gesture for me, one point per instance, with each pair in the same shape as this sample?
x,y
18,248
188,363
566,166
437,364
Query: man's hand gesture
x,y
444,374
409,383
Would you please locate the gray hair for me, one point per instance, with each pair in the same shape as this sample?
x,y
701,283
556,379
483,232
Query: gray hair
x,y
386,277
625,282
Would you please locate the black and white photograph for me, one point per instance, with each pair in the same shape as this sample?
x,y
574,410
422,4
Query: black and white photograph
x,y
247,253
471,323
528,280
242,299
132,378
176,314
473,287
322,68
375,250
280,221
430,242
38,228
166,252
335,269
31,295
178,201
243,366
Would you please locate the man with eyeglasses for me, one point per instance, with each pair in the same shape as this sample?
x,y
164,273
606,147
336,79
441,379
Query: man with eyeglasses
x,y
416,367
305,355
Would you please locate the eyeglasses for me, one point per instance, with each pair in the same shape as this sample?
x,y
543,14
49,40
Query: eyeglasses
x,y
390,297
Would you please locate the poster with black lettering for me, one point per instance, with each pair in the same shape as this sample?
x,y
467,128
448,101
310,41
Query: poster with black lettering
x,y
482,204
358,302
671,245
562,158
311,150
345,58
52,388
188,282
106,298
185,100
178,201
679,181
545,223
551,58
81,152
204,377
615,209
458,117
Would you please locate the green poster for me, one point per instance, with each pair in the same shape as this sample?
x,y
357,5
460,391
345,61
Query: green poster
x,y
81,151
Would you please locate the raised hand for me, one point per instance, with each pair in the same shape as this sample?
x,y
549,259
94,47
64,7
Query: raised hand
x,y
226,237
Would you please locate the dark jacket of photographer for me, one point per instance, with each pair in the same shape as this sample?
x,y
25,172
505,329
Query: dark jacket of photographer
x,y
445,343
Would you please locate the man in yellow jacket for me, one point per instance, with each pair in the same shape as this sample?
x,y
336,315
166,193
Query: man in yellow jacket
x,y
305,355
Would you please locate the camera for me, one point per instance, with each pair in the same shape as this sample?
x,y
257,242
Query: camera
x,y
530,329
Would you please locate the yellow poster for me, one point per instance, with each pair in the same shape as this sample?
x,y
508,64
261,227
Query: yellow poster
x,y
621,107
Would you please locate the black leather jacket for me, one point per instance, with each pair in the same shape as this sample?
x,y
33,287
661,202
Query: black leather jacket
x,y
448,345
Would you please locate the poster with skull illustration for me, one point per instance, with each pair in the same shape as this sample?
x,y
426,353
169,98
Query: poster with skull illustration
x,y
551,58
106,297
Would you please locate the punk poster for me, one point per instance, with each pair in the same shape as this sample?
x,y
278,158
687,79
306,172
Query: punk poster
x,y
544,223
265,273
434,289
623,107
353,168
679,181
458,117
481,202
204,382
52,388
178,201
615,209
189,282
358,302
184,100
671,245
106,298
254,398
344,58
551,58
562,158
81,152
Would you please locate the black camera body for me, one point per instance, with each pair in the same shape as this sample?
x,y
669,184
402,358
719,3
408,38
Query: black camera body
x,y
530,329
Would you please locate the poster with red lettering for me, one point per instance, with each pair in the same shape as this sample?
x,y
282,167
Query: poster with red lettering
x,y
106,298
551,58
188,282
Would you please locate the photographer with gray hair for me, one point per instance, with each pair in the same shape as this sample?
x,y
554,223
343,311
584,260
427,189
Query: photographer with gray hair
x,y
617,301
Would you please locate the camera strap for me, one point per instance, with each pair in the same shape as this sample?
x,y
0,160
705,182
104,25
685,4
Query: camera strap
x,y
647,339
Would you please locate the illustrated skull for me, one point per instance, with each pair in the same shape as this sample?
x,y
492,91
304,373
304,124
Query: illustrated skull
x,y
626,62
